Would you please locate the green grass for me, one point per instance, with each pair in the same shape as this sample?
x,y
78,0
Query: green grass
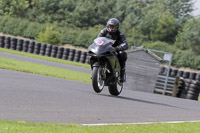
x,y
29,127
34,68
44,58
22,66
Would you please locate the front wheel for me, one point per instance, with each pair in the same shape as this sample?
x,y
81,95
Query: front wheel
x,y
116,88
98,79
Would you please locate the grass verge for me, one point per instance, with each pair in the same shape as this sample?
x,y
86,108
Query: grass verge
x,y
29,127
22,66
44,58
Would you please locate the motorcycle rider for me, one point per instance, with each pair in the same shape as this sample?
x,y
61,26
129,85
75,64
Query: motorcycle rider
x,y
112,31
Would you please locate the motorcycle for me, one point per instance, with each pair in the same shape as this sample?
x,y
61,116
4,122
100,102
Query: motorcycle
x,y
105,66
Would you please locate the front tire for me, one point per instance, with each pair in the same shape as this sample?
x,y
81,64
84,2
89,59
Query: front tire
x,y
97,79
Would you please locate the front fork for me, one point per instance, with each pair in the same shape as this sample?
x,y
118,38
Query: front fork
x,y
103,71
107,75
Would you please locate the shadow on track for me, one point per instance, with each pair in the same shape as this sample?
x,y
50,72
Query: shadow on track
x,y
143,101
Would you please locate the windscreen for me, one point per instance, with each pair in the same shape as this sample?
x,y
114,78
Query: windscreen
x,y
103,41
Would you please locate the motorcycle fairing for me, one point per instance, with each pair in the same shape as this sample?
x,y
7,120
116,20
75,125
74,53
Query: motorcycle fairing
x,y
101,45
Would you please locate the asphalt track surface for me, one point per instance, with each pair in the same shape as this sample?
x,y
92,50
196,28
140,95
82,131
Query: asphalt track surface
x,y
37,98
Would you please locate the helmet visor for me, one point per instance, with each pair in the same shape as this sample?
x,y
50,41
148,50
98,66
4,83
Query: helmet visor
x,y
112,28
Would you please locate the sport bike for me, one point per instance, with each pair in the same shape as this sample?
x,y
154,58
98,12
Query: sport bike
x,y
105,66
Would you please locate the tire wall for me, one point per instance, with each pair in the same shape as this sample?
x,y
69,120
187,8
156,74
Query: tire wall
x,y
34,47
189,87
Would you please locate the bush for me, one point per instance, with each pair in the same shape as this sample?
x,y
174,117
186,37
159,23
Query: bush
x,y
185,58
158,45
86,37
50,36
7,25
68,35
17,26
33,29
21,26
189,36
79,37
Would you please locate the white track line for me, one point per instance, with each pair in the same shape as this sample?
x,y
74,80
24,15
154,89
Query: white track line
x,y
106,124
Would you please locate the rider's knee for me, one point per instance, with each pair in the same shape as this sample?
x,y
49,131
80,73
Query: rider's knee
x,y
123,55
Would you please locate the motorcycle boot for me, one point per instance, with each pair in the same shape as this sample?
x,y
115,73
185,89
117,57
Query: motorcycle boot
x,y
122,56
122,75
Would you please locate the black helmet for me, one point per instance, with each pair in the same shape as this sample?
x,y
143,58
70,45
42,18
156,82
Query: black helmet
x,y
113,23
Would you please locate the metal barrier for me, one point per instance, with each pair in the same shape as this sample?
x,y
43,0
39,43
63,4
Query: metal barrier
x,y
166,88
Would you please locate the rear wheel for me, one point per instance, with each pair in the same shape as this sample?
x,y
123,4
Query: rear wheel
x,y
98,79
116,88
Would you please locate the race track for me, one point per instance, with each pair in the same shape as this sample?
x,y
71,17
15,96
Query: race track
x,y
31,97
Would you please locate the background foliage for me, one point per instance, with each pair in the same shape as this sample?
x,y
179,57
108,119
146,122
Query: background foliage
x,y
49,36
159,24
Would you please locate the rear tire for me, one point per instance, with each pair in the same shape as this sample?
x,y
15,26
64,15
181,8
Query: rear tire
x,y
116,88
97,81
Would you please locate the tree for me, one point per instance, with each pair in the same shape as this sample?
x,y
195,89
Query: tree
x,y
180,8
91,12
134,13
158,23
165,29
14,7
189,38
